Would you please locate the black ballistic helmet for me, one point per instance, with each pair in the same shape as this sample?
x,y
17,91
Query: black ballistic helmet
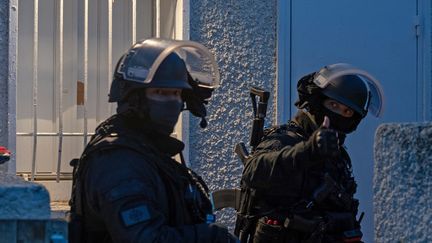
x,y
350,86
351,91
172,73
161,63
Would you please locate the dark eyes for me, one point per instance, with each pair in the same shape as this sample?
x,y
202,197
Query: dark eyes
x,y
334,104
344,111
348,113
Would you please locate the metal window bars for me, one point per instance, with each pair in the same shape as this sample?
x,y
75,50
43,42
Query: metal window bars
x,y
60,134
60,29
35,83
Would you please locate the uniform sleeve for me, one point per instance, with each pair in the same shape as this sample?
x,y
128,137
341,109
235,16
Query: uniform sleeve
x,y
123,192
276,157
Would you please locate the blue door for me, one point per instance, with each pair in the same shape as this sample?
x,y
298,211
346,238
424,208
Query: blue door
x,y
378,36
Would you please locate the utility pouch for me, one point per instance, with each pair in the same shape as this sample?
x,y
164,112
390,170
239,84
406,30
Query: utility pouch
x,y
245,227
340,222
269,233
299,223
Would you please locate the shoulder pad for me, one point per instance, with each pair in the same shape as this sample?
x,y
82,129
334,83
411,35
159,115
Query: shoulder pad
x,y
291,129
278,129
113,141
276,137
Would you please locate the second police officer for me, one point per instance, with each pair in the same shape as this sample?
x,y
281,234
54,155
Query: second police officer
x,y
298,185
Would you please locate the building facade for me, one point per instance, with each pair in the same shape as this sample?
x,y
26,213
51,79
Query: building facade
x,y
269,44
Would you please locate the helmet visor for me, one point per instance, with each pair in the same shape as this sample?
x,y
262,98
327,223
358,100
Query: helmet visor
x,y
144,59
375,103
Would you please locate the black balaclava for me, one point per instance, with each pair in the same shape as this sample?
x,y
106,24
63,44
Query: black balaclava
x,y
148,114
164,114
337,122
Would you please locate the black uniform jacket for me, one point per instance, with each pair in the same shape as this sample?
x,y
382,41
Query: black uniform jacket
x,y
131,189
285,173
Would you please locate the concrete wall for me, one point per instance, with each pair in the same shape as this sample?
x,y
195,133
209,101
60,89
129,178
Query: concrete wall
x,y
8,35
25,214
403,183
4,30
242,35
20,199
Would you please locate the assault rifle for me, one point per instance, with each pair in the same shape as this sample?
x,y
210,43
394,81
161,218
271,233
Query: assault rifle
x,y
259,99
257,132
231,197
329,189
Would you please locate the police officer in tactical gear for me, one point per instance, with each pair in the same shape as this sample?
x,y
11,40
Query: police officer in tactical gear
x,y
298,184
127,187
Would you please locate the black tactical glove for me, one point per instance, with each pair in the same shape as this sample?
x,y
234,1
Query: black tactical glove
x,y
325,141
196,99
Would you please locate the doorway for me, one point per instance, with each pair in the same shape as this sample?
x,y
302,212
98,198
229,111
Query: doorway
x,y
386,38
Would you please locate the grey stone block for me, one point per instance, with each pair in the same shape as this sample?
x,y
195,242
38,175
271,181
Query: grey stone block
x,y
34,231
403,183
20,199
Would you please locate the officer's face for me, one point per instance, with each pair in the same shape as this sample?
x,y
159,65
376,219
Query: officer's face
x,y
338,108
164,94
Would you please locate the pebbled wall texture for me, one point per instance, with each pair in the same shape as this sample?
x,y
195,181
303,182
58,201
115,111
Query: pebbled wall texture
x,y
242,35
403,183
22,200
4,46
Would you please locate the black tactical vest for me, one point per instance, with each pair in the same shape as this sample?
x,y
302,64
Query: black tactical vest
x,y
111,134
298,217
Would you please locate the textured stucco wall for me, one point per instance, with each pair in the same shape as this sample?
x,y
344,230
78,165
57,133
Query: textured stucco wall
x,y
22,200
403,183
4,43
242,35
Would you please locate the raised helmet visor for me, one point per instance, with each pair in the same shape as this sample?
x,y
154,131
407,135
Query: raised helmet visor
x,y
375,102
145,57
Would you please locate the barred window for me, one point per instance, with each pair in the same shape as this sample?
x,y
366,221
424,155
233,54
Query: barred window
x,y
67,51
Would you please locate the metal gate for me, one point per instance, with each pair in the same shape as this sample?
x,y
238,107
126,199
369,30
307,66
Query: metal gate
x,y
66,54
